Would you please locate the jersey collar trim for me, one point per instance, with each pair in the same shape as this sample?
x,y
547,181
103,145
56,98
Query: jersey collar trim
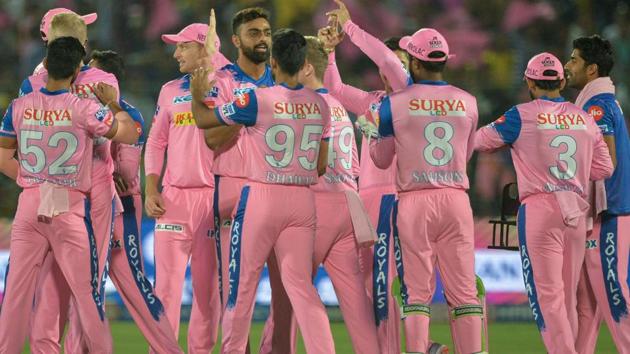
x,y
557,99
433,82
52,93
298,87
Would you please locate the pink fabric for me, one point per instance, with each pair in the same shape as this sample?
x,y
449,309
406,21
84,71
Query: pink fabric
x,y
424,42
229,160
443,161
572,207
157,332
363,230
183,233
384,58
436,228
127,164
539,63
174,131
74,124
274,105
54,200
343,160
594,292
552,255
83,87
336,248
66,236
353,99
533,156
289,229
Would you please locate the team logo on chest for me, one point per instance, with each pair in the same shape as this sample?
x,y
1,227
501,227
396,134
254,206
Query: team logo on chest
x,y
184,119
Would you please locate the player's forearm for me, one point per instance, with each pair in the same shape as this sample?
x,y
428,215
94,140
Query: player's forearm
x,y
154,157
602,165
205,118
487,139
128,161
385,59
612,148
219,137
151,184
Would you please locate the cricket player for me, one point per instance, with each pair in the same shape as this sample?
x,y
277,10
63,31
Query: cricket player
x,y
53,294
56,129
556,148
44,26
376,186
183,209
284,128
605,268
125,264
251,35
340,213
430,128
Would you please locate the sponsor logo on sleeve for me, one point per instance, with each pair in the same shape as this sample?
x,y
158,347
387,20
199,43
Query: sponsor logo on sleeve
x,y
597,112
228,110
242,101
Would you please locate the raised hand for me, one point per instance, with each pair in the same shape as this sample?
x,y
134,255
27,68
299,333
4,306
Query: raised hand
x,y
105,93
211,44
199,83
341,14
329,37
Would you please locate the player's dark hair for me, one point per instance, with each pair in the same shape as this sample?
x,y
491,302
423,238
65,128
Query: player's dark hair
x,y
63,57
392,43
434,66
111,62
289,50
548,85
596,50
247,15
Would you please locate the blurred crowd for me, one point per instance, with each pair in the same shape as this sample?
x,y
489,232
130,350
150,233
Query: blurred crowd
x,y
492,40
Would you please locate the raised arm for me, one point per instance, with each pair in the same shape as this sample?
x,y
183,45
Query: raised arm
x,y
387,62
503,131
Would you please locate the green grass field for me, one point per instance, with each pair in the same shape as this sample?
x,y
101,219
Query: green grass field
x,y
505,338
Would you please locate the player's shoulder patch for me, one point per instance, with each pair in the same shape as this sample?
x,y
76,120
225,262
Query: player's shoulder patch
x,y
597,111
242,100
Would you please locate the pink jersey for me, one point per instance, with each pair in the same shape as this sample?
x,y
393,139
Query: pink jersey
x,y
231,82
83,86
55,130
343,161
284,127
174,131
433,125
555,146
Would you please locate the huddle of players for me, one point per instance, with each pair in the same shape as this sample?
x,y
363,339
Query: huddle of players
x,y
246,201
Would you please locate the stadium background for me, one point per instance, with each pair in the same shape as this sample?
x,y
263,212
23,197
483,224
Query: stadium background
x,y
492,39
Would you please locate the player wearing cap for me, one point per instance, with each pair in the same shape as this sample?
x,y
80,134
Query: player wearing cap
x,y
53,294
434,218
376,186
276,210
603,289
556,148
125,264
44,27
55,129
183,210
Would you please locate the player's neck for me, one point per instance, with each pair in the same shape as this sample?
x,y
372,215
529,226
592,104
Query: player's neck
x,y
429,76
548,94
56,85
253,70
287,80
313,84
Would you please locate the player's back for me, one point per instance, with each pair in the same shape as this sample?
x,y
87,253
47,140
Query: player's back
x,y
283,142
343,161
84,86
553,149
54,132
433,126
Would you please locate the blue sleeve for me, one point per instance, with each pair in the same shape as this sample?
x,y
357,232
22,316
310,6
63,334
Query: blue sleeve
x,y
603,114
136,116
509,125
385,124
25,88
6,128
243,110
